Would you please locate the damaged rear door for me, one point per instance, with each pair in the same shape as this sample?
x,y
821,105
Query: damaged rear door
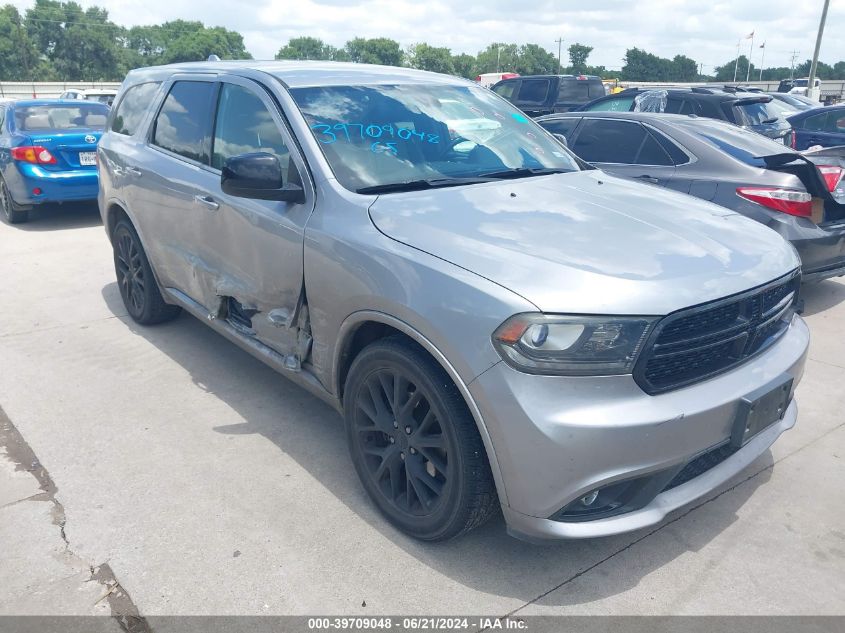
x,y
254,247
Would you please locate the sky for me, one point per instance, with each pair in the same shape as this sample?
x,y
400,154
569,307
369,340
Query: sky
x,y
706,31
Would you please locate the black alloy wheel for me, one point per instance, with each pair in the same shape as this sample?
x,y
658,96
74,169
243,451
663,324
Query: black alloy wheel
x,y
414,443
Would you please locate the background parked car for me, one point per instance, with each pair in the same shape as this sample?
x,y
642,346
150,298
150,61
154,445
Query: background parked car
x,y
750,110
825,127
93,94
725,164
797,102
537,95
48,153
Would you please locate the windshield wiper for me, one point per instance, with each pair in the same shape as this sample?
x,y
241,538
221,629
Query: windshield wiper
x,y
772,120
524,172
425,183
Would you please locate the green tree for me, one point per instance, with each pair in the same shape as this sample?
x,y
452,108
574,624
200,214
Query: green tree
x,y
195,42
378,50
307,48
18,57
81,44
497,57
532,59
433,58
464,65
578,54
726,71
683,69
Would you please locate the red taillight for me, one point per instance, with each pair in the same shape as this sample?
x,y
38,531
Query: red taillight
x,y
33,154
832,175
582,77
793,140
789,201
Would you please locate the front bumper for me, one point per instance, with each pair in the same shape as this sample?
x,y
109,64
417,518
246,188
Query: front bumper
x,y
558,438
56,186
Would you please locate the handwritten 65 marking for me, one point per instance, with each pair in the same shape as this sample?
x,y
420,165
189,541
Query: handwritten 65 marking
x,y
351,132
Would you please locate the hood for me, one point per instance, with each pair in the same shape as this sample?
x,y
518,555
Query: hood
x,y
586,242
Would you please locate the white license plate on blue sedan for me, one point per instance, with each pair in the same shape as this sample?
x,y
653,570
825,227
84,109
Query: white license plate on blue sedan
x,y
87,158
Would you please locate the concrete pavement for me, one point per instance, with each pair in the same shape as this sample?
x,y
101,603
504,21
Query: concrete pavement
x,y
211,485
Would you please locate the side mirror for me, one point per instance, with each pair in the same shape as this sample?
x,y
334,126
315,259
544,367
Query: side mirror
x,y
562,139
258,175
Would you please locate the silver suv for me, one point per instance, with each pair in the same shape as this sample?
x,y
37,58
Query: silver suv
x,y
499,324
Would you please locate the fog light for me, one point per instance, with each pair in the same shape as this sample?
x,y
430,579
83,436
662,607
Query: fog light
x,y
590,499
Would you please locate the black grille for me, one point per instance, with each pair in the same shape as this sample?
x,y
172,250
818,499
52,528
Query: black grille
x,y
700,342
701,465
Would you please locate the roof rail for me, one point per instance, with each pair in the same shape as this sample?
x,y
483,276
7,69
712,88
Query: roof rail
x,y
702,91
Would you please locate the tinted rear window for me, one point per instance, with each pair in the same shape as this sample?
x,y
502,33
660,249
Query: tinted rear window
x,y
84,116
756,113
182,125
579,90
743,145
132,108
622,142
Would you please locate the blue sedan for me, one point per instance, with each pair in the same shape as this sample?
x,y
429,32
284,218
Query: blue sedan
x,y
820,126
48,153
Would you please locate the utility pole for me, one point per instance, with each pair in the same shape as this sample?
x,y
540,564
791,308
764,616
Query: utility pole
x,y
559,44
792,65
811,82
736,63
750,53
498,55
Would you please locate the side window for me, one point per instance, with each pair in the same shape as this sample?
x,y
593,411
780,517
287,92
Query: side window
x,y
562,126
183,121
132,107
506,89
820,123
2,119
651,153
623,142
244,124
609,141
619,104
533,90
677,155
674,105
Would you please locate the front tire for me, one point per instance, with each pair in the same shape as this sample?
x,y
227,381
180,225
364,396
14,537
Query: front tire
x,y
12,213
138,288
414,443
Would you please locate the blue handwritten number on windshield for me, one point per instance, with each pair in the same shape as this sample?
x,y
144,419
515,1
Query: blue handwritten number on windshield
x,y
377,148
329,136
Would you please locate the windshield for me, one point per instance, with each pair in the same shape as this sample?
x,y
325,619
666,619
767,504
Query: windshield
x,y
84,116
376,136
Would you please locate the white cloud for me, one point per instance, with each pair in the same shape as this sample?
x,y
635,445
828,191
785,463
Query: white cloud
x,y
706,32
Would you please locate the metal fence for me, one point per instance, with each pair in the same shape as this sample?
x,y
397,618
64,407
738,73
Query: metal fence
x,y
48,89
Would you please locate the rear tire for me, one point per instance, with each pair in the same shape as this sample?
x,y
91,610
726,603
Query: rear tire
x,y
138,287
414,443
12,212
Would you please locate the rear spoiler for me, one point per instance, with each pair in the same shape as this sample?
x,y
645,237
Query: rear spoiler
x,y
802,167
749,100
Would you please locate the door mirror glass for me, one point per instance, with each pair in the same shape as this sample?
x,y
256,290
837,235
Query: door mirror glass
x,y
258,175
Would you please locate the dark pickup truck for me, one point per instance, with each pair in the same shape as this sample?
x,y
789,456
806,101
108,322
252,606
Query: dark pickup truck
x,y
537,95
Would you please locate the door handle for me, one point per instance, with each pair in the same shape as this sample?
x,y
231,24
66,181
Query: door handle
x,y
135,171
648,178
207,201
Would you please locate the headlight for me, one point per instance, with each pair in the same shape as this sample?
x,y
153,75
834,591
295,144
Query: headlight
x,y
572,345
